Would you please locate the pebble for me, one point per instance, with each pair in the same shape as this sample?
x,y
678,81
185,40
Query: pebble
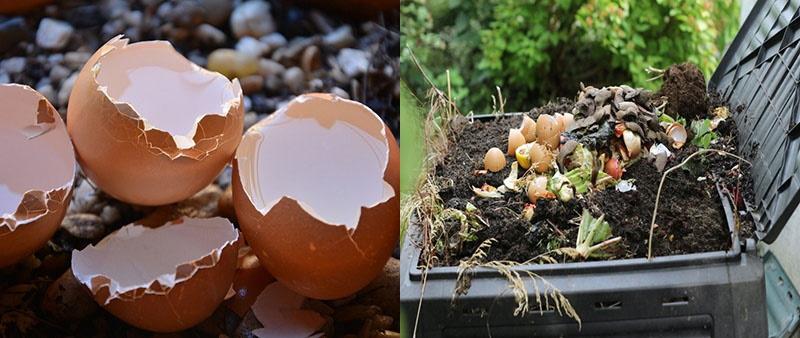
x,y
339,38
295,47
110,215
267,67
66,89
252,83
210,35
83,197
84,16
224,178
13,65
261,104
133,18
340,93
274,40
48,92
294,78
53,34
76,60
231,63
251,46
216,11
84,226
67,300
248,104
353,62
112,28
58,73
4,78
273,82
311,59
186,14
316,85
252,18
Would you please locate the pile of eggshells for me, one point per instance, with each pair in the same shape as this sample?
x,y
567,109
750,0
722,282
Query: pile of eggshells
x,y
315,190
615,123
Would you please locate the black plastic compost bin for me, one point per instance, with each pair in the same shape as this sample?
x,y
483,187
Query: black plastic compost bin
x,y
713,294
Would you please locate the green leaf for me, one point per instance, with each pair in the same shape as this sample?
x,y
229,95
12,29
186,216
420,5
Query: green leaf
x,y
703,135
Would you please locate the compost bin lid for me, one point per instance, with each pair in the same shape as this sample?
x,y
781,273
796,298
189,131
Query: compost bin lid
x,y
760,73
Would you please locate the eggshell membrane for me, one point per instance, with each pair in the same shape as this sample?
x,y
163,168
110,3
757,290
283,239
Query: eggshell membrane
x,y
162,299
127,155
37,172
312,257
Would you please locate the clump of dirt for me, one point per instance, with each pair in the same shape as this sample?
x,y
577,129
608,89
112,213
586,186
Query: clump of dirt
x,y
685,89
690,215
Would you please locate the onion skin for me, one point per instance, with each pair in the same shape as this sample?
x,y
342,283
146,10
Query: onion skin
x,y
613,169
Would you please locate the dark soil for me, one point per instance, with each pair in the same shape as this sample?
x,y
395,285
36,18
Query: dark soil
x,y
685,89
690,216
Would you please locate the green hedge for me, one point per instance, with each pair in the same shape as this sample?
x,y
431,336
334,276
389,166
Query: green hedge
x,y
537,50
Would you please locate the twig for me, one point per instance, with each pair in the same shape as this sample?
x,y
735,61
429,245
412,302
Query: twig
x,y
661,185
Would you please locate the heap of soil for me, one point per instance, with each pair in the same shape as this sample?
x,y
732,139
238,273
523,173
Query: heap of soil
x,y
690,216
685,89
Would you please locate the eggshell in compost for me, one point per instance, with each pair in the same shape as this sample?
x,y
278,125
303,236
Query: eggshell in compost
x,y
150,127
315,191
36,175
162,279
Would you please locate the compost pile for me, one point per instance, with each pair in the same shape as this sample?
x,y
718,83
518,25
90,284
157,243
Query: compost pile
x,y
292,50
577,180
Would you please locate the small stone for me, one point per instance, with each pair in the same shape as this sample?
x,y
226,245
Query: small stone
x,y
267,67
84,16
67,300
53,34
83,198
273,82
216,11
55,58
186,14
295,47
251,84
110,215
76,60
311,59
316,85
112,28
13,65
48,92
210,35
340,93
252,18
251,46
250,118
133,18
66,89
59,73
4,78
84,226
339,38
114,8
261,104
232,63
294,78
247,103
353,62
274,40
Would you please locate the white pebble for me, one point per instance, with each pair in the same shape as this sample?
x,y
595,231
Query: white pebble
x,y
251,46
340,93
267,67
294,78
339,38
353,62
58,73
48,92
66,89
274,40
252,18
53,34
210,34
13,65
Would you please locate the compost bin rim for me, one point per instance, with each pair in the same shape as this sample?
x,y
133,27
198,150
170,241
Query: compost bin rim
x,y
625,264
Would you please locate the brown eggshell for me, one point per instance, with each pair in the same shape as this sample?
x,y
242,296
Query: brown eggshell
x,y
515,139
312,257
37,171
165,279
251,278
127,155
548,131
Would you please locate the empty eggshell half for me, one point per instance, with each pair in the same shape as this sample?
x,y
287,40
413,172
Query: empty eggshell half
x,y
162,279
149,126
315,191
280,311
37,171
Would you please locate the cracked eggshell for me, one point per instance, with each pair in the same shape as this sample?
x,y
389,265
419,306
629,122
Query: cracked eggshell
x,y
37,172
162,279
150,127
315,188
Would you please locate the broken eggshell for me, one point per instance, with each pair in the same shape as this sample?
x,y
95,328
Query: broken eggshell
x,y
322,224
37,172
149,126
250,279
280,311
163,279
